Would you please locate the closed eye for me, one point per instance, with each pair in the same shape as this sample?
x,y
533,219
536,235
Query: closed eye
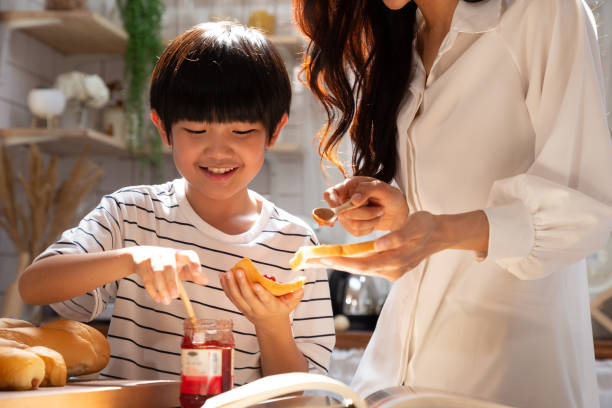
x,y
244,132
194,131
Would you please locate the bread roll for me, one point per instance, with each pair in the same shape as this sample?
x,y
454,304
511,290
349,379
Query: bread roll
x,y
20,369
310,252
7,322
12,343
84,352
55,367
88,333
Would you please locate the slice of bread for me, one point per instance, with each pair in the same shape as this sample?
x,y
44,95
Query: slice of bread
x,y
275,288
299,261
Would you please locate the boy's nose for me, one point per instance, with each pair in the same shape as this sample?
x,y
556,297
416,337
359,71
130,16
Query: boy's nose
x,y
218,148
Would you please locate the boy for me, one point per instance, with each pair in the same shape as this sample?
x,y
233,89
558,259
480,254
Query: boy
x,y
219,97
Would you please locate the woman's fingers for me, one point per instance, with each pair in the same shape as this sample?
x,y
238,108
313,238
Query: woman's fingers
x,y
359,228
344,191
390,264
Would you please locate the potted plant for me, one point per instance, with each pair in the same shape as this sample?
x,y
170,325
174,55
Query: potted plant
x,y
142,21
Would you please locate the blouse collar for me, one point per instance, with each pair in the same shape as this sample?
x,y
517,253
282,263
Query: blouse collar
x,y
470,17
478,17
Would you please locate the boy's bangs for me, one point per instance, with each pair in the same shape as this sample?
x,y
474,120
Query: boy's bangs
x,y
207,93
221,72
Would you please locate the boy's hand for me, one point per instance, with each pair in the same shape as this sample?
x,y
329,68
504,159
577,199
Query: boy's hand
x,y
258,305
160,268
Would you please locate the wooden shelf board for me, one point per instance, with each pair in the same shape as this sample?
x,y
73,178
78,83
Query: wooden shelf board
x,y
296,43
70,32
286,148
65,142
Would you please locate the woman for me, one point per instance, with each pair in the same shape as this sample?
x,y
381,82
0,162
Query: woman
x,y
490,117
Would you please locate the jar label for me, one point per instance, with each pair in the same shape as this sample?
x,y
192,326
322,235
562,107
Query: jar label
x,y
201,371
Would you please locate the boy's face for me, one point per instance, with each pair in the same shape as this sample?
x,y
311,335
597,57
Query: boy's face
x,y
219,160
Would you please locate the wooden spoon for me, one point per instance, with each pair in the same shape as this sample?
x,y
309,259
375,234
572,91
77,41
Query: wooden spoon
x,y
187,303
327,216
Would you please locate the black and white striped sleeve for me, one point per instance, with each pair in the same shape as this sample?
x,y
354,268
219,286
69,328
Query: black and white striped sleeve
x,y
98,231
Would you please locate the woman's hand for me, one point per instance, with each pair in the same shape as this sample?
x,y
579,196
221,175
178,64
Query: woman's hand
x,y
386,207
160,269
422,235
258,305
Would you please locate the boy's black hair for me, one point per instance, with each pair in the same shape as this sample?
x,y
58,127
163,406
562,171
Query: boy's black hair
x,y
220,72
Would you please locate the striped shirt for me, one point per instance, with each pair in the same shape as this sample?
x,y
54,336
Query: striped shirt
x,y
145,336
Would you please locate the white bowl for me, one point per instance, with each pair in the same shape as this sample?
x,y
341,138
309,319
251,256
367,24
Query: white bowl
x,y
46,102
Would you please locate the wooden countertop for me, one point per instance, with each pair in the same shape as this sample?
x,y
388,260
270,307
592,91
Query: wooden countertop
x,y
352,339
97,394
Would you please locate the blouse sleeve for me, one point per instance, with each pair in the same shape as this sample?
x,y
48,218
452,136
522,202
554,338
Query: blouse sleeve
x,y
558,212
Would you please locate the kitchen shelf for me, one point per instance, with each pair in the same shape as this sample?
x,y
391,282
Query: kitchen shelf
x,y
65,142
294,43
286,149
71,142
70,32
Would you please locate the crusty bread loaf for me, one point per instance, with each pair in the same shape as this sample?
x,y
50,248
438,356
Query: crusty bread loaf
x,y
310,252
83,350
20,369
91,335
12,343
55,367
7,322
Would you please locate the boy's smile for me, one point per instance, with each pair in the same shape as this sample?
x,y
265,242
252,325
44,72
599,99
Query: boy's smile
x,y
220,171
218,160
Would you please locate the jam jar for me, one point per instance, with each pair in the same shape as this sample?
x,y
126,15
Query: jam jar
x,y
207,360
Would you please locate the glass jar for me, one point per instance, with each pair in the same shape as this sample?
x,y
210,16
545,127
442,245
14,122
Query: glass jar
x,y
207,360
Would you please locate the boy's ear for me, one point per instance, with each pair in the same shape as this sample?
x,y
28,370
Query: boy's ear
x,y
160,127
282,122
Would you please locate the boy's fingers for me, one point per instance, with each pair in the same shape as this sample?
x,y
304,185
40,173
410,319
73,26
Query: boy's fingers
x,y
245,287
147,281
159,280
234,291
262,294
189,258
295,297
160,285
188,264
170,277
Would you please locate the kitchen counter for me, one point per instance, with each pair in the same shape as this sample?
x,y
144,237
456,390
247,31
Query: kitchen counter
x,y
352,339
97,394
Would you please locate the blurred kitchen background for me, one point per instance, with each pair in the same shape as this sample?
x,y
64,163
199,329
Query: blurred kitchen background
x,y
81,45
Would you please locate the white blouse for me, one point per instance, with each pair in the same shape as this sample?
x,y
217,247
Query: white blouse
x,y
512,120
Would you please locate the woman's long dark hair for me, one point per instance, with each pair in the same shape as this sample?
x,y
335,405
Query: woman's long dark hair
x,y
358,64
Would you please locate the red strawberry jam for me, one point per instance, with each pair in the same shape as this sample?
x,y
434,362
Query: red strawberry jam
x,y
207,361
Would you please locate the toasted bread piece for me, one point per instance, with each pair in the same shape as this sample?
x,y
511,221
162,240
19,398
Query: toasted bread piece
x,y
275,288
310,252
